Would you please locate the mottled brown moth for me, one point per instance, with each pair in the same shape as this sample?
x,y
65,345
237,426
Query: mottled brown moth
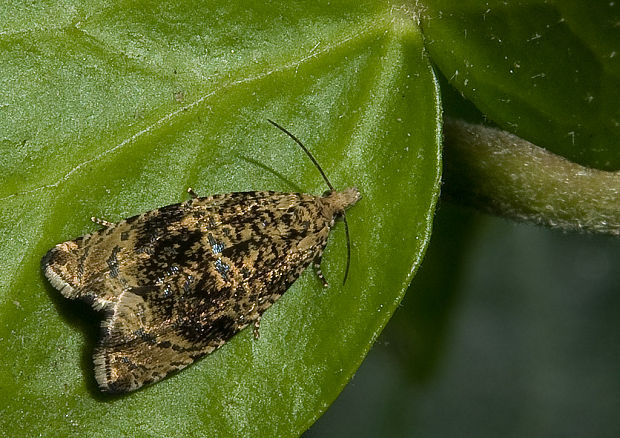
x,y
178,282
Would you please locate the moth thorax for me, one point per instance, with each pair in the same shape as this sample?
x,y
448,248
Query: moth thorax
x,y
338,202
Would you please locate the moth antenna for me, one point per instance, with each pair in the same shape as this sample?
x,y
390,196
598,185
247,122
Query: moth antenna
x,y
346,232
331,187
305,149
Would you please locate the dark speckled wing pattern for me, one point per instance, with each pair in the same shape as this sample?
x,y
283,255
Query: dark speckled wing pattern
x,y
177,282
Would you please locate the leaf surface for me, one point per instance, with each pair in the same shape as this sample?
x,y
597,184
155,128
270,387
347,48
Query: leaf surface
x,y
546,71
114,110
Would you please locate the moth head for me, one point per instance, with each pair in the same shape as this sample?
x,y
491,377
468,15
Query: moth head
x,y
335,205
340,201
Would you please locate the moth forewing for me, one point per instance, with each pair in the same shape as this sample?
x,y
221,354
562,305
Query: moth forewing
x,y
178,282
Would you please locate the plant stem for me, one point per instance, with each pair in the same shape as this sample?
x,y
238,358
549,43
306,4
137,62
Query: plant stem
x,y
503,174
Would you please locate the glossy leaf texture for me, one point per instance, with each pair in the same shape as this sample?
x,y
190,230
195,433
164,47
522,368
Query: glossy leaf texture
x,y
111,109
546,71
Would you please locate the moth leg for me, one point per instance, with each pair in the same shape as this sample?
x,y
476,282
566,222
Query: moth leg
x,y
317,268
192,193
102,222
257,327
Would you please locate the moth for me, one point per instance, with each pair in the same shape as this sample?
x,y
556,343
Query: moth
x,y
178,282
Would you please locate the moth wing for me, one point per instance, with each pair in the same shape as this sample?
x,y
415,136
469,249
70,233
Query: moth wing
x,y
148,334
136,252
100,266
72,266
177,282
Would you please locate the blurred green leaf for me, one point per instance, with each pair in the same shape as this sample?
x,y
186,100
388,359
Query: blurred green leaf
x,y
546,71
113,110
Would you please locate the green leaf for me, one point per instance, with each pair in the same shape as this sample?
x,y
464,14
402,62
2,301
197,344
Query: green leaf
x,y
546,71
116,110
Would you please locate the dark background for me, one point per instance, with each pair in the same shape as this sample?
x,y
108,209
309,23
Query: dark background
x,y
508,330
